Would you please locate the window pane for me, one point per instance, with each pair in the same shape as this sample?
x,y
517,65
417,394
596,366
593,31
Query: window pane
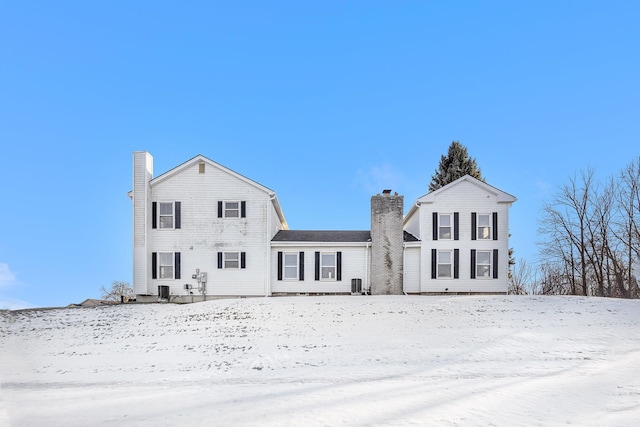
x,y
166,272
444,270
445,220
328,272
231,260
328,259
444,257
232,209
445,233
166,222
483,271
291,272
291,260
165,258
483,257
166,208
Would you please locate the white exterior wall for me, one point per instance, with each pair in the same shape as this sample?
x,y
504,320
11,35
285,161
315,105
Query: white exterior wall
x,y
411,276
142,174
202,234
354,266
464,197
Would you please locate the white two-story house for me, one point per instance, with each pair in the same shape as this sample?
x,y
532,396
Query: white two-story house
x,y
203,231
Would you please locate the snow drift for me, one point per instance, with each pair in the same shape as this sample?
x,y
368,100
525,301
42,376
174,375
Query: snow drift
x,y
387,360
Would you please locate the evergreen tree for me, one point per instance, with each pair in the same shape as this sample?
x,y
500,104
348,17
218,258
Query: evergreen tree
x,y
454,165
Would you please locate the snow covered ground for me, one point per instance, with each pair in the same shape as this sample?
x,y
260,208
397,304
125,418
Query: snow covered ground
x,y
325,361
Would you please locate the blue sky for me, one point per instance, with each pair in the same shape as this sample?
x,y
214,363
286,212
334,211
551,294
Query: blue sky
x,y
327,103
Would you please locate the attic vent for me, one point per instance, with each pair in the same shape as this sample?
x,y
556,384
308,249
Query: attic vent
x,y
200,167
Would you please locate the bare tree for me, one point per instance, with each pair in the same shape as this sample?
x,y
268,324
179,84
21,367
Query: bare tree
x,y
521,279
119,291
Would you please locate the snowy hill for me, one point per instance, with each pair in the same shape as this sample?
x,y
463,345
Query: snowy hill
x,y
325,361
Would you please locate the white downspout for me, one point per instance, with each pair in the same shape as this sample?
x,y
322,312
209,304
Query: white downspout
x,y
267,291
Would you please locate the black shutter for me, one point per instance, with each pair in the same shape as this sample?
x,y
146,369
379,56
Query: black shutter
x,y
219,209
301,267
219,259
434,265
456,263
178,214
339,266
154,265
279,265
473,263
317,266
495,263
243,260
176,269
243,209
495,226
474,228
456,222
435,225
154,215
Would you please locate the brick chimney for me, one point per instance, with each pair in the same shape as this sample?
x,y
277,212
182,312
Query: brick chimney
x,y
386,243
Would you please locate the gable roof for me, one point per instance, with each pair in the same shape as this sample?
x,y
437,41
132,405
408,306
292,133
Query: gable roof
x,y
202,159
501,196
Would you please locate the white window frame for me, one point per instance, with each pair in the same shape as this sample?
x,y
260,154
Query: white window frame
x,y
441,227
228,260
161,215
165,267
486,266
486,227
443,264
226,210
290,268
326,270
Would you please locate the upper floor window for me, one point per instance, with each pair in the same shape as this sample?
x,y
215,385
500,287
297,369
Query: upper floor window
x,y
232,209
445,226
484,226
165,215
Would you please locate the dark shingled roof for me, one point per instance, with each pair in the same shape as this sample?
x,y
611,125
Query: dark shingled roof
x,y
327,236
341,236
408,237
